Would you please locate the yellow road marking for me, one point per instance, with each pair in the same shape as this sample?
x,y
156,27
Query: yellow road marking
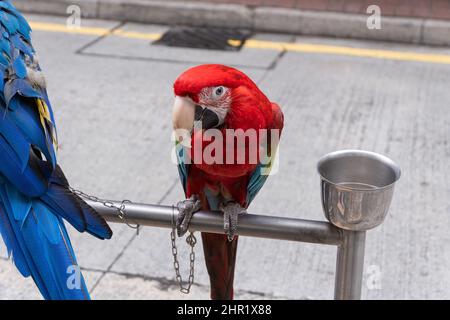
x,y
54,27
262,45
350,51
234,43
136,35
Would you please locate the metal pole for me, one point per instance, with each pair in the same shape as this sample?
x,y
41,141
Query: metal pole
x,y
350,254
349,266
251,225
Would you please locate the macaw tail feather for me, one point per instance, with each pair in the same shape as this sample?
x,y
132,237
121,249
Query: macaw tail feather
x,y
38,242
220,258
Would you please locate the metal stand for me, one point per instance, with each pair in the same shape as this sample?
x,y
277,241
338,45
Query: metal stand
x,y
350,257
349,266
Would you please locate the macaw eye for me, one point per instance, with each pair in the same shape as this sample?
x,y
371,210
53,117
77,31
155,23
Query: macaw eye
x,y
219,91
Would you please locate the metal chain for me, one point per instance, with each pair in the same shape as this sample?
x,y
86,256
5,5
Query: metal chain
x,y
191,241
109,204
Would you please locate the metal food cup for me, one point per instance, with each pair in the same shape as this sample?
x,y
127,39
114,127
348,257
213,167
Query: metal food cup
x,y
357,188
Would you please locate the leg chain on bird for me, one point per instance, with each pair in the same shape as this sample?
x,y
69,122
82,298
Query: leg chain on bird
x,y
191,241
109,204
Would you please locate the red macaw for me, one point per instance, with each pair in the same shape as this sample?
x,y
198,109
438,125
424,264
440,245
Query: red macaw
x,y
219,97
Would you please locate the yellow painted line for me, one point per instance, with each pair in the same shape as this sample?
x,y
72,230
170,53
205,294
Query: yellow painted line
x,y
350,51
54,27
262,45
136,35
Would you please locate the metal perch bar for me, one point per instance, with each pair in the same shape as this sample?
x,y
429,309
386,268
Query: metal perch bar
x,y
350,257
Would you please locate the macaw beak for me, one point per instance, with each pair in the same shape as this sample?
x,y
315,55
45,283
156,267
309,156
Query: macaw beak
x,y
187,115
183,114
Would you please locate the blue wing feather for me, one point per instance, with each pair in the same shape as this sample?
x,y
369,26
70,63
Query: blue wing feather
x,y
3,61
21,45
25,119
48,222
23,26
17,88
259,176
183,167
12,243
30,181
256,182
2,81
5,47
9,21
19,68
20,204
16,140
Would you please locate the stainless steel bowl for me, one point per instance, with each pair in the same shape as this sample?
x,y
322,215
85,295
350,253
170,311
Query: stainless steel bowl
x,y
357,188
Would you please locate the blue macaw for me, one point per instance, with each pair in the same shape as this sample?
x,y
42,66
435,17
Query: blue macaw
x,y
34,194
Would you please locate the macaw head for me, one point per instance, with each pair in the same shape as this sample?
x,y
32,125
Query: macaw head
x,y
207,95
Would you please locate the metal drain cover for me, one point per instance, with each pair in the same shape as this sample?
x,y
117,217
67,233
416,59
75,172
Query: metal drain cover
x,y
204,38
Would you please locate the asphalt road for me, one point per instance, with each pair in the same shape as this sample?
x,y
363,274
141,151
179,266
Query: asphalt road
x,y
112,96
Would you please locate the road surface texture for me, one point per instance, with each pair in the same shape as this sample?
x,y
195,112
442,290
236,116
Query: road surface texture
x,y
112,96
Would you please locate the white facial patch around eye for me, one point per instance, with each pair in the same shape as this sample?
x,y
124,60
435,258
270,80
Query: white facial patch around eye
x,y
217,99
218,92
215,96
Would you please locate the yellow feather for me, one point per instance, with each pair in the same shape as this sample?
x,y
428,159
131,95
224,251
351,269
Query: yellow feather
x,y
44,115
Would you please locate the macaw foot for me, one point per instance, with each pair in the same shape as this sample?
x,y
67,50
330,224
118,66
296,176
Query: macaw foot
x,y
231,211
186,210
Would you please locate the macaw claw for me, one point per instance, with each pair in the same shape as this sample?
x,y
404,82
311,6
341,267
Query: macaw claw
x,y
231,211
186,210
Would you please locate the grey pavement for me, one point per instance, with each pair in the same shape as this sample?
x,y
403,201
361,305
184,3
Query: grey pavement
x,y
112,98
259,18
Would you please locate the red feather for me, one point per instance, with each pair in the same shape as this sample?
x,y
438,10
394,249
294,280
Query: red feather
x,y
250,109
